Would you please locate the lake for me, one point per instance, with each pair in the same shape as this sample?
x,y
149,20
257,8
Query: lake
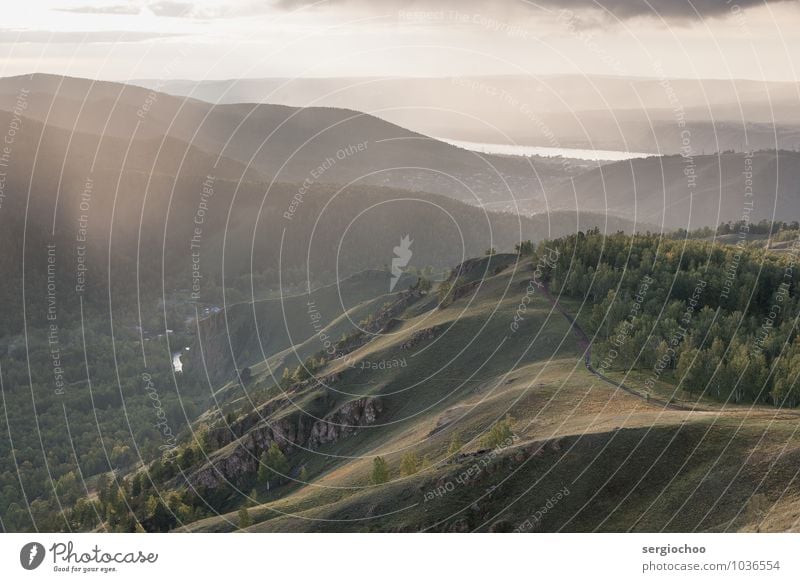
x,y
520,150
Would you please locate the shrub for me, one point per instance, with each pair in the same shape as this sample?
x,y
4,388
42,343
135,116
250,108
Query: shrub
x,y
380,471
409,464
500,435
244,519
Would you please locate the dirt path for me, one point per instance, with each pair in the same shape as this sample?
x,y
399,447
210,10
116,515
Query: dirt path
x,y
585,344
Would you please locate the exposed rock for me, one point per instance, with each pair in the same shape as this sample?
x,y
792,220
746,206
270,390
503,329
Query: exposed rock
x,y
420,336
241,461
238,463
501,526
383,321
346,420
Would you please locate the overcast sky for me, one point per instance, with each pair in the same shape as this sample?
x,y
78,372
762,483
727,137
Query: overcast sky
x,y
210,39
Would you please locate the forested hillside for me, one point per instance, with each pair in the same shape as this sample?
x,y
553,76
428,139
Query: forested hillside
x,y
472,374
716,320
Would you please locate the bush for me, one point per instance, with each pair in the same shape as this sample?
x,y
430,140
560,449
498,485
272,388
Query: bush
x,y
409,464
380,471
455,444
246,375
500,435
244,519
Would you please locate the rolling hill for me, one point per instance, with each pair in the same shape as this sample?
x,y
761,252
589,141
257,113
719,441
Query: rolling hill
x,y
112,181
691,191
286,144
577,453
578,111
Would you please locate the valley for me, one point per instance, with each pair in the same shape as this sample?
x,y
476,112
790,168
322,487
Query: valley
x,y
266,317
612,449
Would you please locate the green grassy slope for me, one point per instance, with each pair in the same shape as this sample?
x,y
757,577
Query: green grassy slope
x,y
584,456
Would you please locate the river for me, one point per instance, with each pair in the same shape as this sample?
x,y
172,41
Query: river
x,y
177,365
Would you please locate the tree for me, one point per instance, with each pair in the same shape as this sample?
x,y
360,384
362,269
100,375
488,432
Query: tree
x,y
524,248
301,373
424,284
186,458
445,292
500,435
380,471
491,251
136,484
275,461
263,468
409,464
691,371
246,375
244,518
455,444
162,519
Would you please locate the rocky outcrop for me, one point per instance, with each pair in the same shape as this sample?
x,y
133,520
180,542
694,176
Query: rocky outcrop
x,y
384,321
420,336
222,436
248,437
346,420
480,267
233,465
390,312
213,476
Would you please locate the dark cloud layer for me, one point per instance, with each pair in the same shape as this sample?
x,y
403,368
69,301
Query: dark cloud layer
x,y
668,9
623,9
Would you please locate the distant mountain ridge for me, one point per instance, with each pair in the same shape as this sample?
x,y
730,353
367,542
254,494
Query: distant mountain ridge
x,y
578,111
691,192
287,144
134,188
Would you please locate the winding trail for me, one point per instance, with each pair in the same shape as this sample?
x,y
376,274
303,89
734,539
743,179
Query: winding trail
x,y
585,344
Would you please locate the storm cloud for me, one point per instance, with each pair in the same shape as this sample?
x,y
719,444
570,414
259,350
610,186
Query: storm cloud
x,y
622,9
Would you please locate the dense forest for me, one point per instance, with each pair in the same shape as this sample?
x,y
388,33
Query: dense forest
x,y
778,230
104,419
718,321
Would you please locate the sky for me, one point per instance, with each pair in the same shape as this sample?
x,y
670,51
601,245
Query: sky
x,y
211,39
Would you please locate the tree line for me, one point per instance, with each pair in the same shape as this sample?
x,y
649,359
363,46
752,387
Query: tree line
x,y
717,320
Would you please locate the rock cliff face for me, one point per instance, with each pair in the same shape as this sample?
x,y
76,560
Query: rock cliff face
x,y
345,421
239,446
420,336
243,442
